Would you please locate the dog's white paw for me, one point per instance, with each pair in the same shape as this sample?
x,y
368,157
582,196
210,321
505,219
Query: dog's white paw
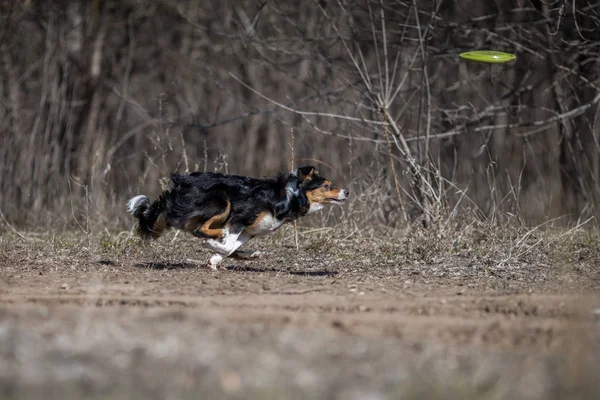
x,y
255,254
215,261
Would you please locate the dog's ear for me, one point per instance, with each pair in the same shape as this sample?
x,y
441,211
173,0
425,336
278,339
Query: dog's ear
x,y
306,173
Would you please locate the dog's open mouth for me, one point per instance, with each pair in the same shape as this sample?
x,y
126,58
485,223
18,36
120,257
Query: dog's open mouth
x,y
335,201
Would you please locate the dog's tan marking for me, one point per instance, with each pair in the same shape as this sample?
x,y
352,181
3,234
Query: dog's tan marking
x,y
264,224
309,177
304,179
159,225
217,219
195,225
258,219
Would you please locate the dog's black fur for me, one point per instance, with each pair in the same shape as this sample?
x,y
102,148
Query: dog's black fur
x,y
205,194
213,205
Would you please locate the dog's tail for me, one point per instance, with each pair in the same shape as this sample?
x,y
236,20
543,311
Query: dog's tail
x,y
151,218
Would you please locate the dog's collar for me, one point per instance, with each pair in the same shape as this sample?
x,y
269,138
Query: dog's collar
x,y
303,205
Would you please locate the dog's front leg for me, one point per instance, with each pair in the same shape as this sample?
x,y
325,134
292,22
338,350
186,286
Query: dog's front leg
x,y
227,246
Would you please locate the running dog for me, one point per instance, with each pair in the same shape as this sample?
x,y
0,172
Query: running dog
x,y
229,210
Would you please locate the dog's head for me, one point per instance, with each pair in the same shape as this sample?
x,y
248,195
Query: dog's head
x,y
318,190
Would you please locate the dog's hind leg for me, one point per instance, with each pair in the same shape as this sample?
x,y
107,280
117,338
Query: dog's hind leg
x,y
207,229
246,255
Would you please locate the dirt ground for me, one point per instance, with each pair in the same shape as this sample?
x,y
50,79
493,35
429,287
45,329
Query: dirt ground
x,y
345,319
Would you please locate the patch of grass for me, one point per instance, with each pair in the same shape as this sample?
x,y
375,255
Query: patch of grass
x,y
456,249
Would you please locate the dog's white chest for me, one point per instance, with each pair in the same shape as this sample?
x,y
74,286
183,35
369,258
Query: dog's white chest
x,y
267,224
314,207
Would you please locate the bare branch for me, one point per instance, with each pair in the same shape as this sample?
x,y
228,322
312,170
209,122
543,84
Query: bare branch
x,y
566,115
313,113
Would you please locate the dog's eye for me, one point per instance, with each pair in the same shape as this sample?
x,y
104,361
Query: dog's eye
x,y
327,186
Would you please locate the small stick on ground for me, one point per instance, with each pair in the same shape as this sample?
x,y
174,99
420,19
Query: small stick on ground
x,y
292,166
305,291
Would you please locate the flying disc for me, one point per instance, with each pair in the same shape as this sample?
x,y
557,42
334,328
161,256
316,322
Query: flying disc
x,y
487,56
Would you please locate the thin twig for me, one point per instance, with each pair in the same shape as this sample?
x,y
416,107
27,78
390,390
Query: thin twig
x,y
185,157
305,291
568,114
292,165
385,116
84,230
295,111
12,228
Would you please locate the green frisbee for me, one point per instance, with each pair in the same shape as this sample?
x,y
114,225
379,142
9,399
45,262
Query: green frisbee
x,y
488,56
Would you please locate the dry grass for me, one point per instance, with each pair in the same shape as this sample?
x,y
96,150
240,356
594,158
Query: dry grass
x,y
509,253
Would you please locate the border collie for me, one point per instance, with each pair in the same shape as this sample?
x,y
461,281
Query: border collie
x,y
229,210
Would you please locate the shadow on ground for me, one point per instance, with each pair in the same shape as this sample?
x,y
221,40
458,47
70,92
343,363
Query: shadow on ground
x,y
167,265
247,268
